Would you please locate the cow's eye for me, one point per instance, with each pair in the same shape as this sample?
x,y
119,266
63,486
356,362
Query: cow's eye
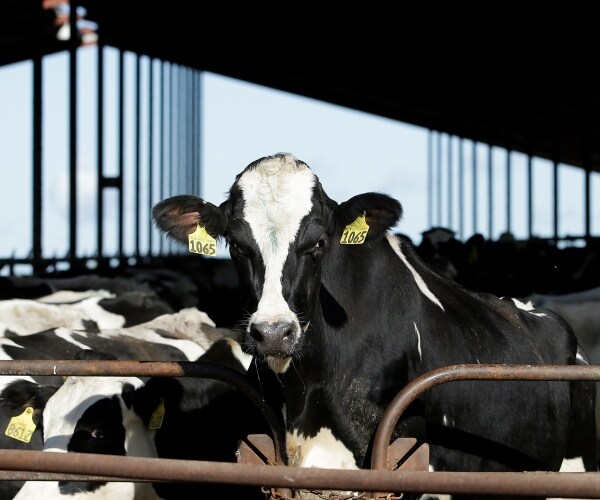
x,y
317,249
97,433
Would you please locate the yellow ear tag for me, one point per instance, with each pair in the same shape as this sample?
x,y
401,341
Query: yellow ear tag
x,y
201,242
156,419
21,427
356,232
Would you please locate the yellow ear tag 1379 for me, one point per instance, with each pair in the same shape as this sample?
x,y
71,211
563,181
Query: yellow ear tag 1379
x,y
21,427
356,232
156,419
201,242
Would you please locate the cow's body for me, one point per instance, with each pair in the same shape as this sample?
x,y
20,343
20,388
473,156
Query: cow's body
x,y
345,327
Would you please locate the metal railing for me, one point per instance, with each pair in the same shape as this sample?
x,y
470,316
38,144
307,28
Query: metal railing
x,y
35,465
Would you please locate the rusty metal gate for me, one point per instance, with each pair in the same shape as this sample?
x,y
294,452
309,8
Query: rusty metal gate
x,y
396,467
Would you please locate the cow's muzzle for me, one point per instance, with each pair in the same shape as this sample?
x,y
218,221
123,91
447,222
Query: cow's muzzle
x,y
274,339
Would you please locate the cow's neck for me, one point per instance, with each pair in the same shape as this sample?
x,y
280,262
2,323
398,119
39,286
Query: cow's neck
x,y
324,387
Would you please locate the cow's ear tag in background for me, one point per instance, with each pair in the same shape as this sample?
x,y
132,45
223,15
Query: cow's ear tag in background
x,y
201,242
156,419
21,427
356,232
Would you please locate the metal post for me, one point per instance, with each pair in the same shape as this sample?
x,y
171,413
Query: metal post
x,y
100,154
73,45
37,178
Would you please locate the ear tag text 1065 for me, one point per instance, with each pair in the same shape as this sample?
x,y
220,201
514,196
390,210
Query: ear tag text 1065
x,y
356,232
21,427
201,242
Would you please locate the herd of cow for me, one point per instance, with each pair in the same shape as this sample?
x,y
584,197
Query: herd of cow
x,y
339,316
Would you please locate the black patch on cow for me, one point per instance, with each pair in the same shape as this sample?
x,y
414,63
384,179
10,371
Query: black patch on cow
x,y
90,325
333,312
136,307
91,355
99,430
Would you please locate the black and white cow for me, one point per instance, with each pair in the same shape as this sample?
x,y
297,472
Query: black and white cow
x,y
94,415
20,398
90,310
200,419
346,326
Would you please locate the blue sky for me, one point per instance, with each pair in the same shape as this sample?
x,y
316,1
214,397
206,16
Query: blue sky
x,y
352,152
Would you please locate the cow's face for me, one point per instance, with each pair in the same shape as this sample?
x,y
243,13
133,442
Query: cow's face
x,y
93,415
279,225
277,232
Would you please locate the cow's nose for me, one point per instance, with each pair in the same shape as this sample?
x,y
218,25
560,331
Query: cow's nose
x,y
275,338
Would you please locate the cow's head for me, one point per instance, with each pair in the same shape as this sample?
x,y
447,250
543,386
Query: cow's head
x,y
280,226
93,415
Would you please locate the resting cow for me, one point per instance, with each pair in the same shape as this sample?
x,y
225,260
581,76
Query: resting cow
x,y
346,314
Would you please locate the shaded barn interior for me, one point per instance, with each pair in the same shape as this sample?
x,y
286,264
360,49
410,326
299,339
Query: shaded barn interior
x,y
541,116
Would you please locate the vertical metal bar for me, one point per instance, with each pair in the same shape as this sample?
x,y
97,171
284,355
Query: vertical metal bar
x,y
508,191
439,179
429,178
37,164
199,134
190,132
555,167
171,134
587,194
450,183
193,128
474,165
490,193
161,141
151,180
121,85
73,44
138,124
529,196
100,153
461,187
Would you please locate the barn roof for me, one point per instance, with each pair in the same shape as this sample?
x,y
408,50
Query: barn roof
x,y
528,97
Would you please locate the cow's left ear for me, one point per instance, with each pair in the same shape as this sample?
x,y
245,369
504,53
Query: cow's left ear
x,y
381,213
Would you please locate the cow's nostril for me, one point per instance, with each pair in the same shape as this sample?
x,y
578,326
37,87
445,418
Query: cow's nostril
x,y
256,332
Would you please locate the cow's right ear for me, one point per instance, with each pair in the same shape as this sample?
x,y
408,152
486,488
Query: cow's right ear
x,y
180,215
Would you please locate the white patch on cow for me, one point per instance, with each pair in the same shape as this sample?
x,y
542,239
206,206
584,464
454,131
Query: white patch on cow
x,y
110,491
572,465
445,420
581,357
528,306
25,317
279,365
61,414
70,296
418,342
277,195
525,306
67,336
395,244
323,451
241,356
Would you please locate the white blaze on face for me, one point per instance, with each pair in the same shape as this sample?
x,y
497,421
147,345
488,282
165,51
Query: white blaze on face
x,y
277,195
